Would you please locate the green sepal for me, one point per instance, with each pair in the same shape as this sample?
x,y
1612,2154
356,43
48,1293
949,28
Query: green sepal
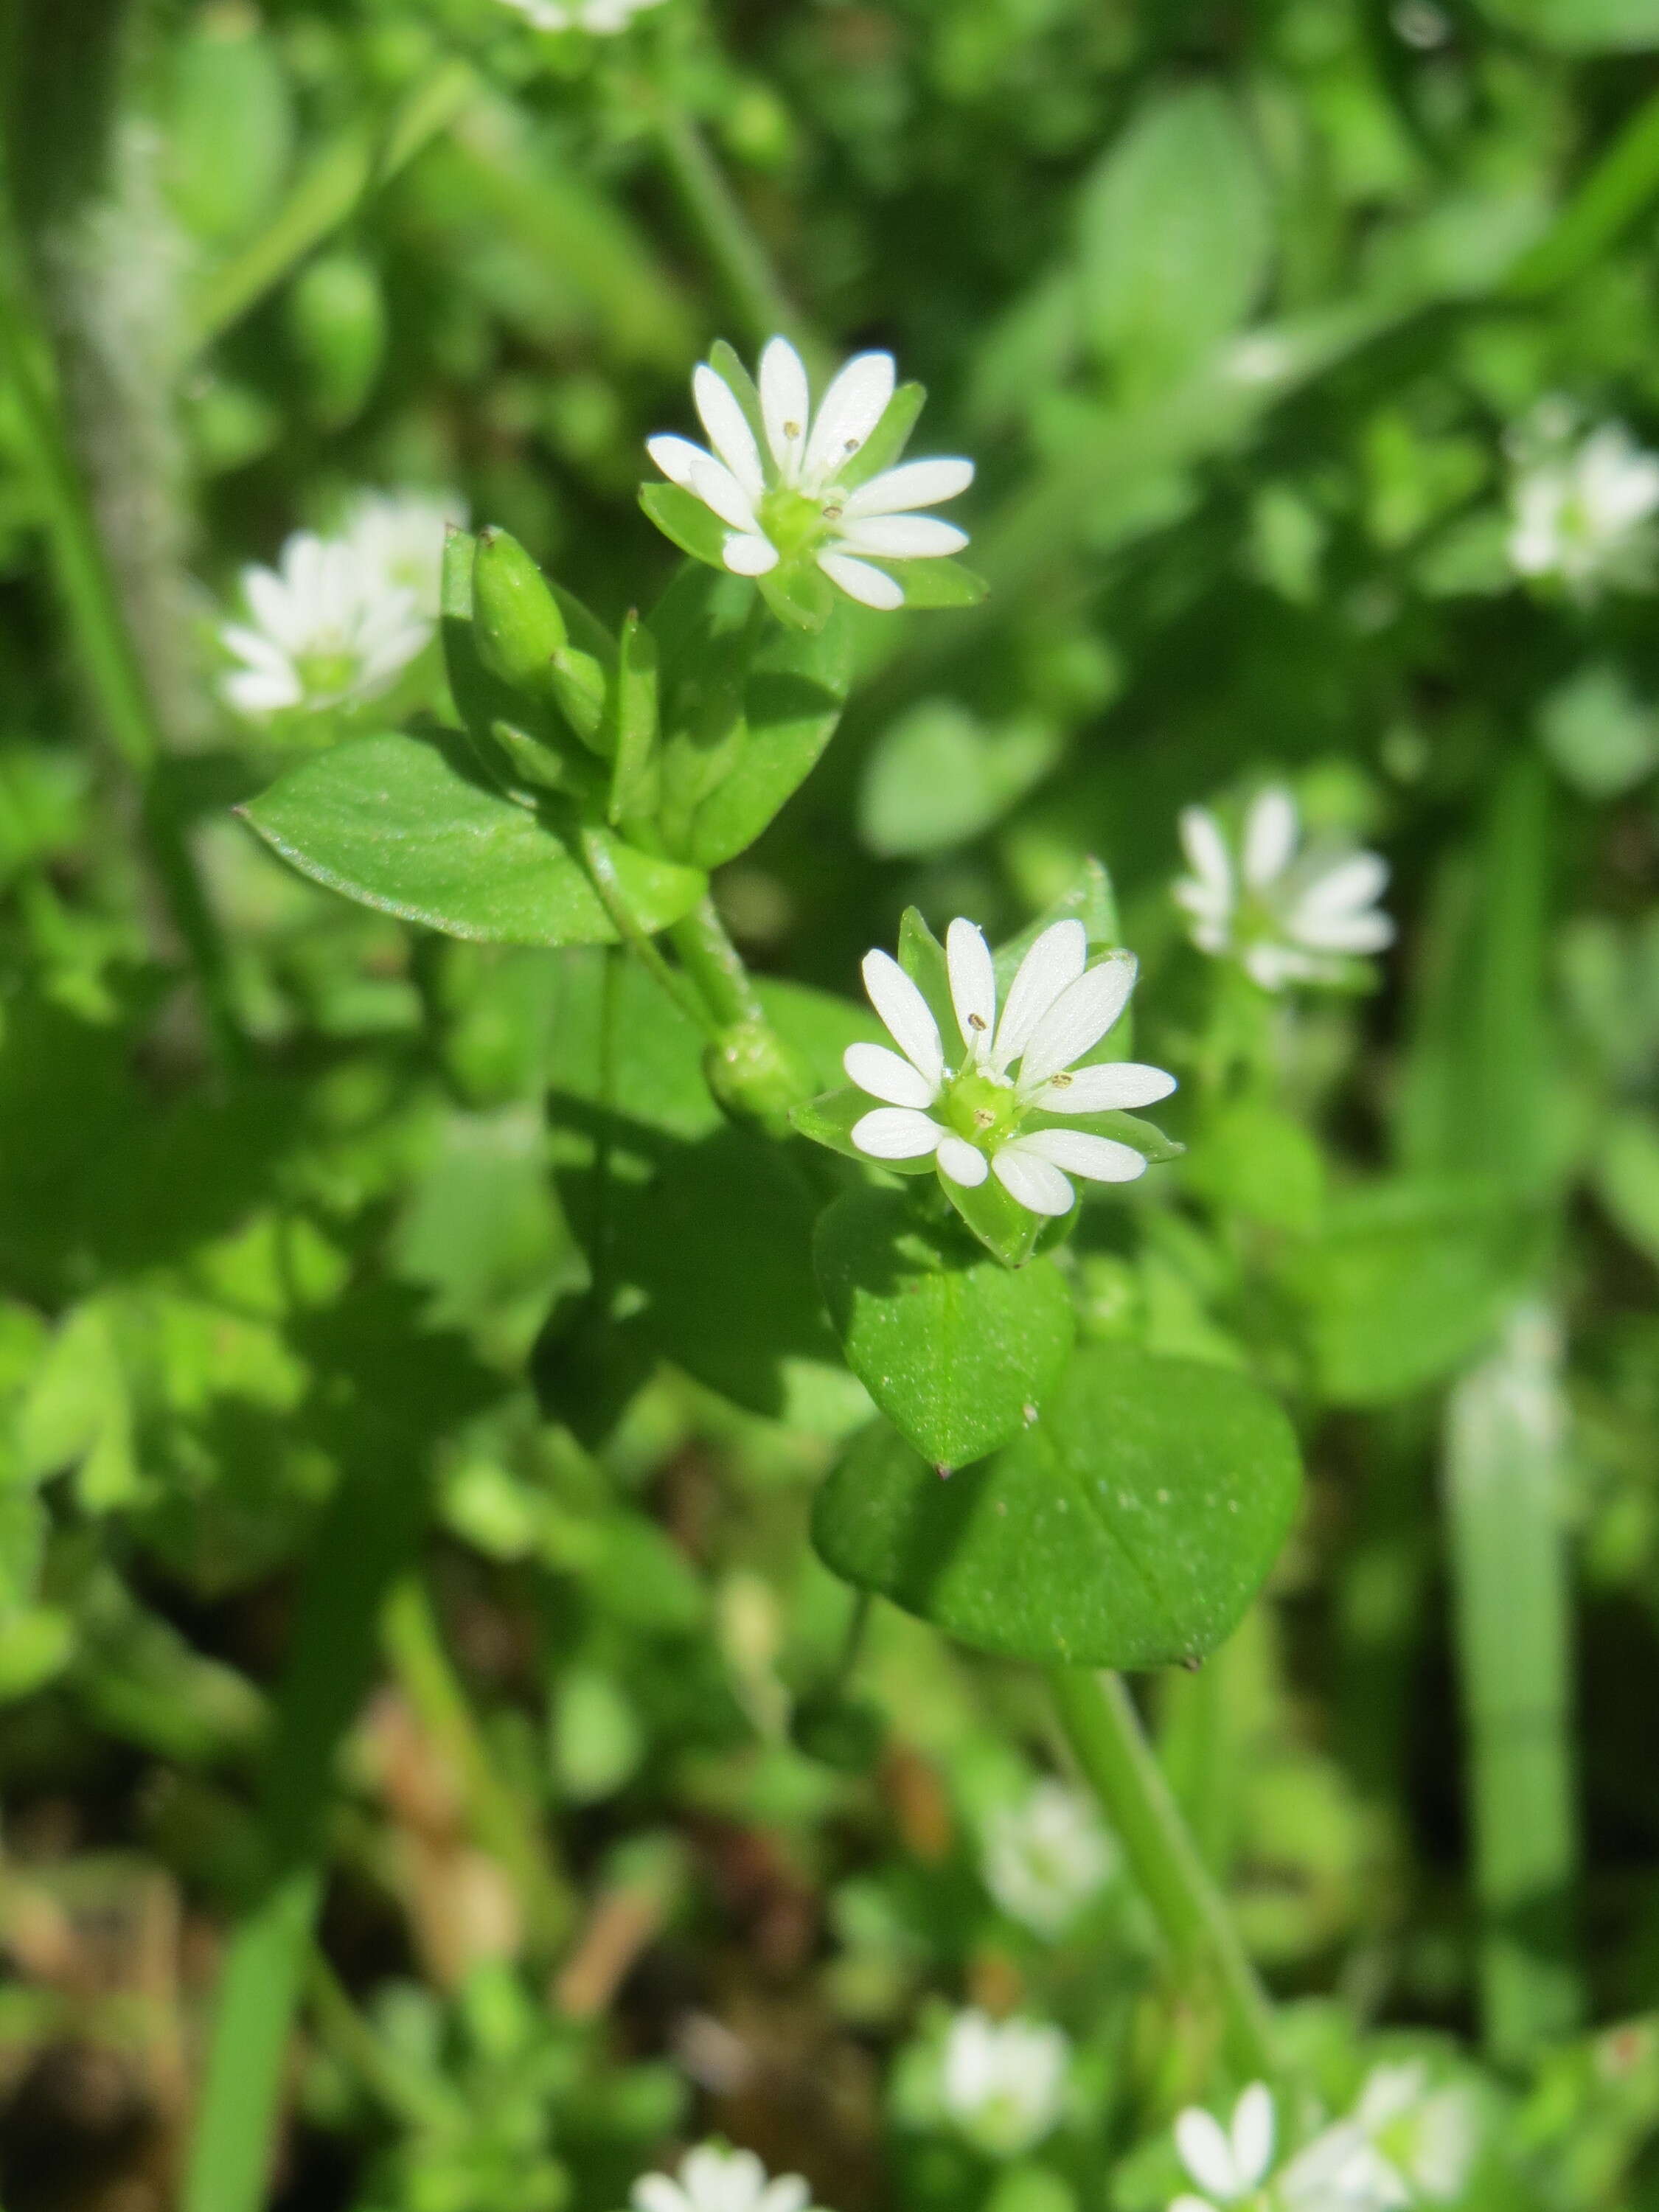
x,y
944,583
516,621
888,441
830,1119
1008,1230
635,774
800,595
1088,898
724,360
686,522
578,683
1140,1135
515,741
528,760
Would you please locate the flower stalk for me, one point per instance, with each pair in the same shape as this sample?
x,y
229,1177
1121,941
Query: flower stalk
x,y
1100,1722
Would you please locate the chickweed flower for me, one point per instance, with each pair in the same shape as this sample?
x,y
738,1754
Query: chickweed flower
x,y
603,18
1582,509
1229,2163
994,1104
1286,916
712,2179
325,630
398,539
1002,2081
1046,1857
789,487
1427,2138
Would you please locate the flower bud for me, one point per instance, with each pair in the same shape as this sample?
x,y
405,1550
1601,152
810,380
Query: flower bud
x,y
756,1076
516,617
337,319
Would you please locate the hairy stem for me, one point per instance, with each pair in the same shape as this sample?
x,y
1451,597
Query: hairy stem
x,y
715,965
1105,1733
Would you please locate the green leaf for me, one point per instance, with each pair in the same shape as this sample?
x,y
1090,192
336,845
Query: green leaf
x,y
686,522
939,776
406,825
941,583
829,1120
801,596
793,696
1175,237
956,1351
1581,26
1626,1179
1088,898
1129,1527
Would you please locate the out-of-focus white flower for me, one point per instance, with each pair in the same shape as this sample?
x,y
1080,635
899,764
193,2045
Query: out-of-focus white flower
x,y
1002,2081
1046,1857
398,537
1229,2163
323,630
1430,2138
602,17
1582,509
975,1115
1287,916
793,493
711,2179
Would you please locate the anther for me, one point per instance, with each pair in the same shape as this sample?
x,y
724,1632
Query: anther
x,y
1060,1082
983,1117
834,512
977,1021
791,430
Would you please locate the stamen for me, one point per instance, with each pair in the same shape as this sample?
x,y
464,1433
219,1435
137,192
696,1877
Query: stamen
x,y
834,512
1059,1082
983,1117
852,444
977,1021
791,430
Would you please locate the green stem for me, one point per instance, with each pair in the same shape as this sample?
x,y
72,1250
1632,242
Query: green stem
x,y
1512,1605
715,212
92,604
341,177
1099,1718
602,870
416,2098
715,966
416,1647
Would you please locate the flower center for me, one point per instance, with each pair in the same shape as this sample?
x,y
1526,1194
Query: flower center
x,y
326,674
795,521
981,1109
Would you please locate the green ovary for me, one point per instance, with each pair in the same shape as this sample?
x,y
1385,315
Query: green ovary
x,y
794,522
980,1109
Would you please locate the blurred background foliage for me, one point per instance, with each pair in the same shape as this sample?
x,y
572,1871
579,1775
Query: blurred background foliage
x,y
1239,309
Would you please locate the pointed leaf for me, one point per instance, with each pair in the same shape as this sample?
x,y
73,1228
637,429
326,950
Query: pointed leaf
x,y
957,1352
686,522
793,695
801,596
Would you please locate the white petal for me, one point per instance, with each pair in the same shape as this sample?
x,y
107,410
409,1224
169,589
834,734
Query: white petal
x,y
973,985
1101,1159
257,692
272,606
1253,2134
1030,1179
708,479
886,1077
962,1162
789,2193
1188,2203
1355,881
746,553
852,407
913,484
1112,1086
728,429
1206,851
870,586
903,537
1341,933
1272,966
786,406
909,1020
1078,1018
1269,836
896,1132
1053,963
253,646
655,2192
1206,2153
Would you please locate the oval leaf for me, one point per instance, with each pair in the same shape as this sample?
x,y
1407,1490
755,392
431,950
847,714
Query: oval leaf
x,y
1130,1527
957,1351
408,825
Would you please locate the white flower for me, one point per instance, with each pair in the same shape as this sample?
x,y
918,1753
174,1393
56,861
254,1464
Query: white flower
x,y
1002,2081
1288,918
715,2180
1428,2138
794,495
602,17
973,1113
398,537
1582,511
1229,2163
324,630
1045,1858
